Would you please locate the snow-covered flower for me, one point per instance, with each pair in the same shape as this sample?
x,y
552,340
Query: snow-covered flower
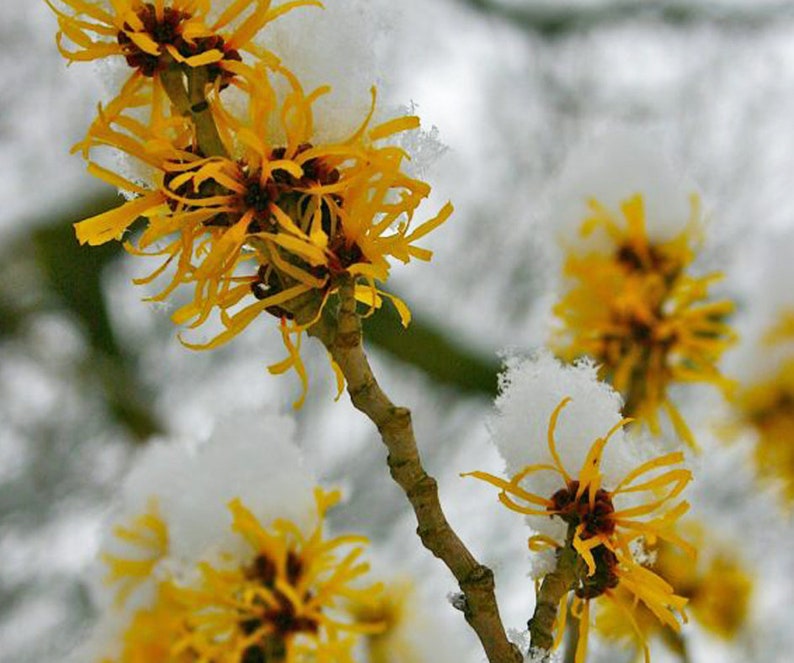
x,y
601,506
219,554
630,299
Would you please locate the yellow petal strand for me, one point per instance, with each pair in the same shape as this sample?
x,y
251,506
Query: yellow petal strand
x,y
679,425
294,361
110,225
590,474
584,630
340,377
519,508
356,136
372,272
550,439
628,614
642,510
287,165
296,273
540,542
671,476
289,6
509,487
243,318
287,223
72,30
201,60
219,261
115,179
419,253
433,223
402,309
394,126
312,254
145,43
531,469
662,461
584,547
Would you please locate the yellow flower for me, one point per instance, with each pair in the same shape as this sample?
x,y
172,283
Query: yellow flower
x,y
281,219
286,598
768,406
645,321
152,36
600,533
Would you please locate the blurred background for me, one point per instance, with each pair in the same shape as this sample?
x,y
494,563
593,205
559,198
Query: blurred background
x,y
89,373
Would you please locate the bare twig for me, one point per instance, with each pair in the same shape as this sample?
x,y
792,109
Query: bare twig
x,y
342,338
554,587
341,334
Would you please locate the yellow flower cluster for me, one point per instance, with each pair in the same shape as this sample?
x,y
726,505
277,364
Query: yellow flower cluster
x,y
154,37
600,534
635,310
246,206
290,598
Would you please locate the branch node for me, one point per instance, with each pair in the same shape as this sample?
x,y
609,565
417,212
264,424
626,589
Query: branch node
x,y
480,579
360,393
426,485
399,419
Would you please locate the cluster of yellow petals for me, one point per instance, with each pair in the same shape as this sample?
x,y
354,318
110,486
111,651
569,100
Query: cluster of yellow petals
x,y
289,597
716,585
246,207
153,35
602,534
278,219
636,311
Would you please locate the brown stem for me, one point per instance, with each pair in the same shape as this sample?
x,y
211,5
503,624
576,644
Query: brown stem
x,y
342,338
554,587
